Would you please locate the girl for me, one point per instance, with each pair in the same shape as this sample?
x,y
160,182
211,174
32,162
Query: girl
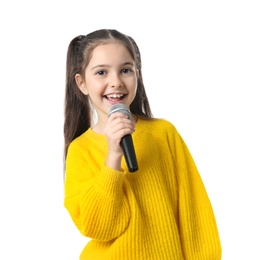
x,y
161,211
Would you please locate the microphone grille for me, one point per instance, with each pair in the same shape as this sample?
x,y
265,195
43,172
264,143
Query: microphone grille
x,y
121,108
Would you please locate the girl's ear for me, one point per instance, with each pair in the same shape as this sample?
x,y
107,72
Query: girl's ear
x,y
81,84
137,73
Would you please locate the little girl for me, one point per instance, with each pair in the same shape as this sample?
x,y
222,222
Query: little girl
x,y
161,211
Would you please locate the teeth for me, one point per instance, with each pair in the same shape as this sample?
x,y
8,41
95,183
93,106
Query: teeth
x,y
115,95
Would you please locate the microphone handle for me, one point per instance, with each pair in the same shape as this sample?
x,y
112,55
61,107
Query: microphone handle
x,y
129,152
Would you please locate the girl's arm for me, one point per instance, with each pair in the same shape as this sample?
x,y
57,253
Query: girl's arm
x,y
94,197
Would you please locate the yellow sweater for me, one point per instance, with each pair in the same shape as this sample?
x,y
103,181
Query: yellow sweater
x,y
160,212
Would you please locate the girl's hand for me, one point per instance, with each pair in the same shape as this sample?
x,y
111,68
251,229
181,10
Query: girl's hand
x,y
117,126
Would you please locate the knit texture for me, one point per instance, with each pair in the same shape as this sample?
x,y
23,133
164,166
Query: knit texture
x,y
160,212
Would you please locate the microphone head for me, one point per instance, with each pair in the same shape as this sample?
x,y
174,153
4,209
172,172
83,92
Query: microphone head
x,y
121,108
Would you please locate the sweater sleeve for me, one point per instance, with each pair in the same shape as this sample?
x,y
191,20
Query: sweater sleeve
x,y
197,224
94,197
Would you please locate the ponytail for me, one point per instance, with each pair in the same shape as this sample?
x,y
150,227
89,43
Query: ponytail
x,y
76,106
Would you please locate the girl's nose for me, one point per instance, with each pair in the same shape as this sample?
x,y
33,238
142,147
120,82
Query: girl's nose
x,y
115,81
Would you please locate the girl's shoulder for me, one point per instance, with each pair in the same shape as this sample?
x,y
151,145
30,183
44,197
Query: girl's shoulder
x,y
156,125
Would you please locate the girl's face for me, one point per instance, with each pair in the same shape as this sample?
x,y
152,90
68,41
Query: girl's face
x,y
110,78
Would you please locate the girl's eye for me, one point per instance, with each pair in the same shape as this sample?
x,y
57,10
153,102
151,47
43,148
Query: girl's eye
x,y
126,71
101,72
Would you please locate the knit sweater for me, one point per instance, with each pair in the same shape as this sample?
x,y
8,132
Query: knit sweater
x,y
160,212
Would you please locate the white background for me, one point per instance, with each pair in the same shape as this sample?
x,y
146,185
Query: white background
x,y
207,67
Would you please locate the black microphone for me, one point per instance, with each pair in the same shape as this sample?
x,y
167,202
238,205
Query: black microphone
x,y
126,141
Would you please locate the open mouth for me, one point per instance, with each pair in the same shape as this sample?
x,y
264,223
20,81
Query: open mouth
x,y
114,97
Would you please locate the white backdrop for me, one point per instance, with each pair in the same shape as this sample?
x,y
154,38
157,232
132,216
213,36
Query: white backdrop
x,y
207,67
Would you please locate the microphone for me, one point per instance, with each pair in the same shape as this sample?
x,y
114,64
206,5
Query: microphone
x,y
126,141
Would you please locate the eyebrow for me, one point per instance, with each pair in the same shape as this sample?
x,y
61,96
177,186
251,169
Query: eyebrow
x,y
105,66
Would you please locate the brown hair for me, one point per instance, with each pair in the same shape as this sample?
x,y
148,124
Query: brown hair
x,y
78,113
